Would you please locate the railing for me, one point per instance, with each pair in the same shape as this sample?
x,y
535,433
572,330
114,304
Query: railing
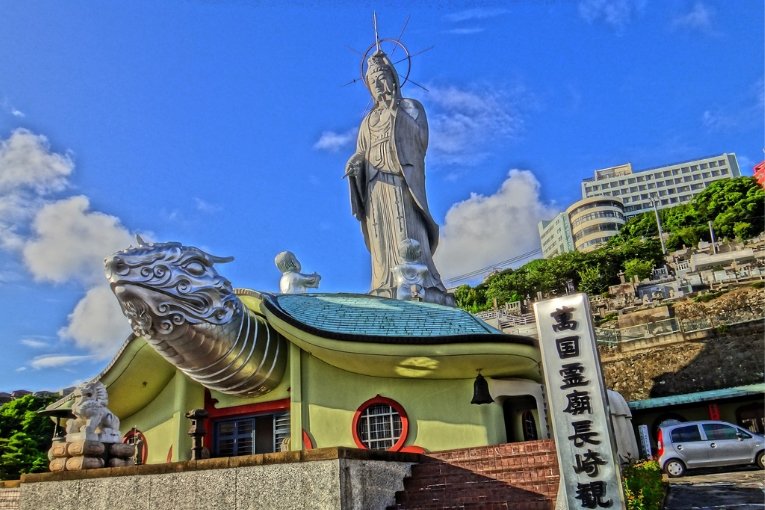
x,y
612,337
517,320
523,324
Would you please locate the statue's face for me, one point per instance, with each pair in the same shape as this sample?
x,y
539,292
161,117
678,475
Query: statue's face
x,y
380,84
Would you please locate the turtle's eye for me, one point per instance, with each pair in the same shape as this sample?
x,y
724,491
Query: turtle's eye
x,y
195,268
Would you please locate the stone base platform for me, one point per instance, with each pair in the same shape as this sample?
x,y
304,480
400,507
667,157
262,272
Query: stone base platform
x,y
328,478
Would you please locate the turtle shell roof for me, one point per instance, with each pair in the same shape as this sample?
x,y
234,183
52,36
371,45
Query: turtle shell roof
x,y
362,317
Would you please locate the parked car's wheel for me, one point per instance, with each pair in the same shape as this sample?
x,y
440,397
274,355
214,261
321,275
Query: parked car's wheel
x,y
760,460
674,468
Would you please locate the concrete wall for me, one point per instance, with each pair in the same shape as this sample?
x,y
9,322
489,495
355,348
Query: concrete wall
x,y
686,363
332,478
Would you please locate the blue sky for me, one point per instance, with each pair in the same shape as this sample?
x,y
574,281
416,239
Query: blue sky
x,y
226,125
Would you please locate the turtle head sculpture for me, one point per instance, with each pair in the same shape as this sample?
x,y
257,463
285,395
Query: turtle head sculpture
x,y
174,297
162,286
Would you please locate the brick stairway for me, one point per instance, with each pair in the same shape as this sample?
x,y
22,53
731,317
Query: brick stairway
x,y
516,476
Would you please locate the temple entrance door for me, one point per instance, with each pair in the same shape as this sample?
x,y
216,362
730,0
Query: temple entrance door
x,y
524,410
520,422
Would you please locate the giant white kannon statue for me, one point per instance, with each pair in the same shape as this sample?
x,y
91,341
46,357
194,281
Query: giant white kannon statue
x,y
387,182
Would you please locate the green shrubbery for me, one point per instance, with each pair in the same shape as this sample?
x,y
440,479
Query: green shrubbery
x,y
25,436
707,296
643,487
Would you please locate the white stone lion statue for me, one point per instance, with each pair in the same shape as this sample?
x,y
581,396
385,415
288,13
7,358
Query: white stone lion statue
x,y
93,420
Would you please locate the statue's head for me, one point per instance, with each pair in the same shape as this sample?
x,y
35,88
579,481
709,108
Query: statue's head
x,y
287,262
161,286
381,77
89,395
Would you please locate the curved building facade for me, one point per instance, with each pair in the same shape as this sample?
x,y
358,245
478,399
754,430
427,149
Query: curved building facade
x,y
594,221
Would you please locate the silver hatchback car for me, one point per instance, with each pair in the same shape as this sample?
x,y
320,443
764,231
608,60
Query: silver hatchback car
x,y
700,444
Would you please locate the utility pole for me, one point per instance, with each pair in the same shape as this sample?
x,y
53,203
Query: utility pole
x,y
712,236
658,224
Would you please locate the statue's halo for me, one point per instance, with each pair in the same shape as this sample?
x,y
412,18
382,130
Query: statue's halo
x,y
395,44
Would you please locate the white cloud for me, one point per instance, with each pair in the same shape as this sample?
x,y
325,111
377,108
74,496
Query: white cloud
x,y
698,18
465,122
739,113
26,162
476,14
206,207
616,13
6,106
466,30
21,369
29,172
57,360
70,242
484,230
97,323
34,343
60,241
333,142
716,120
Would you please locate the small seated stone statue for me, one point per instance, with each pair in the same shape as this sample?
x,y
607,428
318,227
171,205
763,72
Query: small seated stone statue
x,y
410,275
292,280
93,420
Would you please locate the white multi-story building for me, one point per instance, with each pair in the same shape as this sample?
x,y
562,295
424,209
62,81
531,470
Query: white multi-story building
x,y
668,185
594,221
555,235
587,224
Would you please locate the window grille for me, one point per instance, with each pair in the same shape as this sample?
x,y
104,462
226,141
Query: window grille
x,y
251,434
281,430
379,427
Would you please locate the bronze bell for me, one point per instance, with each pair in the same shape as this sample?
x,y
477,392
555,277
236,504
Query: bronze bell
x,y
481,391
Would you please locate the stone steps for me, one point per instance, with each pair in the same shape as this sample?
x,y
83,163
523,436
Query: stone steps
x,y
521,476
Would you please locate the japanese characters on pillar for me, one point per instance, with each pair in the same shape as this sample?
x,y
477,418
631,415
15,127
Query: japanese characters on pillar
x,y
589,467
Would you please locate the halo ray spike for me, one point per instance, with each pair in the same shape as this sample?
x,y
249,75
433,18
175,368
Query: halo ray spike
x,y
415,83
354,50
412,55
403,29
377,37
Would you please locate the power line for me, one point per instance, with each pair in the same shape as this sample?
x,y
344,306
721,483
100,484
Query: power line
x,y
499,265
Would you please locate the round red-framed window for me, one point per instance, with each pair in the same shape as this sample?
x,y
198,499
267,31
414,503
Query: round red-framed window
x,y
380,423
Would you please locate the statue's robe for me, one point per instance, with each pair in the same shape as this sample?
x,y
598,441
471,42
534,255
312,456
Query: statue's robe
x,y
388,195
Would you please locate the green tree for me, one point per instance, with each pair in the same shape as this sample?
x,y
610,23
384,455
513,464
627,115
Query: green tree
x,y
686,236
25,436
591,281
472,299
641,225
734,206
637,267
505,287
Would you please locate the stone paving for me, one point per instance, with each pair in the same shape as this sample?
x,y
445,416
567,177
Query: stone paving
x,y
734,489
